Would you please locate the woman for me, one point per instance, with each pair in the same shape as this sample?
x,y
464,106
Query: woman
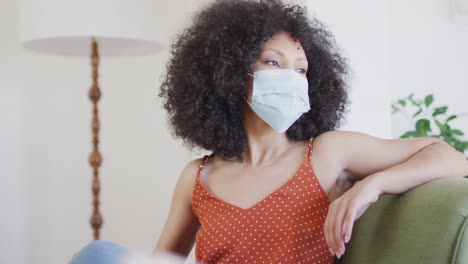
x,y
263,88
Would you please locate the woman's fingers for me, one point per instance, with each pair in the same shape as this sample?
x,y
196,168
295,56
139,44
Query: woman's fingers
x,y
326,228
348,224
338,229
334,227
341,215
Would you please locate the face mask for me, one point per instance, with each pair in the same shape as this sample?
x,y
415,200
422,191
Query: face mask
x,y
280,97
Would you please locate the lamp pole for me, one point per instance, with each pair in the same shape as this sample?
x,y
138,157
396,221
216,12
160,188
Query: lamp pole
x,y
95,159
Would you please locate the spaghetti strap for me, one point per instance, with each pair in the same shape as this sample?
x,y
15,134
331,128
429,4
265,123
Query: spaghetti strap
x,y
202,165
309,151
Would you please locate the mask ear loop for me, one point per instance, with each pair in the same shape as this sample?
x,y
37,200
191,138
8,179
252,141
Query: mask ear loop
x,y
243,97
247,102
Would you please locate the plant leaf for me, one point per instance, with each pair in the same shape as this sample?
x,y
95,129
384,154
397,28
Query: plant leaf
x,y
443,127
413,101
402,102
458,145
450,118
465,144
417,113
457,132
428,100
422,127
439,110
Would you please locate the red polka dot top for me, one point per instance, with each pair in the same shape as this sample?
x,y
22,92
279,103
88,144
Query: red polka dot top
x,y
285,227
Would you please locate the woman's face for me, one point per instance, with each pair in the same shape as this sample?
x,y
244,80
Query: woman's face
x,y
279,52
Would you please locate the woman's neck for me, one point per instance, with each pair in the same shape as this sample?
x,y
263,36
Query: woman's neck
x,y
264,145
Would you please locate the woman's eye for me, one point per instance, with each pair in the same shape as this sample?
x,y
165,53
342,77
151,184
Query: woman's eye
x,y
302,71
272,62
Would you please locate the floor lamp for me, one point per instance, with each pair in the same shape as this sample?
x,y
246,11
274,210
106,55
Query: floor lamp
x,y
91,28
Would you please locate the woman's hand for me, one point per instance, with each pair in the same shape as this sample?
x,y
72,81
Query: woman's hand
x,y
345,210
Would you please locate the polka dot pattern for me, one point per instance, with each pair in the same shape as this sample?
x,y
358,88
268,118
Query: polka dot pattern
x,y
285,227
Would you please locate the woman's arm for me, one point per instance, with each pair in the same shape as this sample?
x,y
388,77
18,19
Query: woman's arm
x,y
438,160
178,234
383,166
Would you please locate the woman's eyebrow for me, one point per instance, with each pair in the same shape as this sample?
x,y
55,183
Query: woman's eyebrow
x,y
277,51
282,54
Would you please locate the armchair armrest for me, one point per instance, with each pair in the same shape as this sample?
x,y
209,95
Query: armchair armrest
x,y
428,224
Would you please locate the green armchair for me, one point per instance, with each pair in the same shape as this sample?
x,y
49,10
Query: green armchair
x,y
427,225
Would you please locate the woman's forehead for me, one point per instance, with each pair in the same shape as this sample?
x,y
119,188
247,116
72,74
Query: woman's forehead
x,y
283,44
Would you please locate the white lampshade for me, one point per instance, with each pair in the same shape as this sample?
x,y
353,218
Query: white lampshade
x,y
461,7
65,27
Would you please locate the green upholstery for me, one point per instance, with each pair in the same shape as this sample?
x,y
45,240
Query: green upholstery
x,y
427,225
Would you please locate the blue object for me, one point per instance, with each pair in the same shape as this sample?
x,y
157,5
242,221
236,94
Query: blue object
x,y
100,252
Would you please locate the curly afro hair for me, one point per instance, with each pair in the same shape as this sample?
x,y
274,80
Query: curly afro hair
x,y
206,78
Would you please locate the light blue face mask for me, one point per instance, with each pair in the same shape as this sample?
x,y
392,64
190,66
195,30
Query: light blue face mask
x,y
280,97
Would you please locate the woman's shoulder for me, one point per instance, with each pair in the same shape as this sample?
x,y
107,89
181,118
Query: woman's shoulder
x,y
327,141
334,140
338,150
336,146
342,144
191,169
187,177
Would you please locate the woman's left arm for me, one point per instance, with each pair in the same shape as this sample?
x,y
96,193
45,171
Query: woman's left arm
x,y
390,166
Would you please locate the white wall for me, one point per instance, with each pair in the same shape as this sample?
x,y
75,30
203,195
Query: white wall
x,y
48,139
361,29
430,55
12,133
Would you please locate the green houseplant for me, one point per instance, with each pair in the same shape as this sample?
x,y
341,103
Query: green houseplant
x,y
425,115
